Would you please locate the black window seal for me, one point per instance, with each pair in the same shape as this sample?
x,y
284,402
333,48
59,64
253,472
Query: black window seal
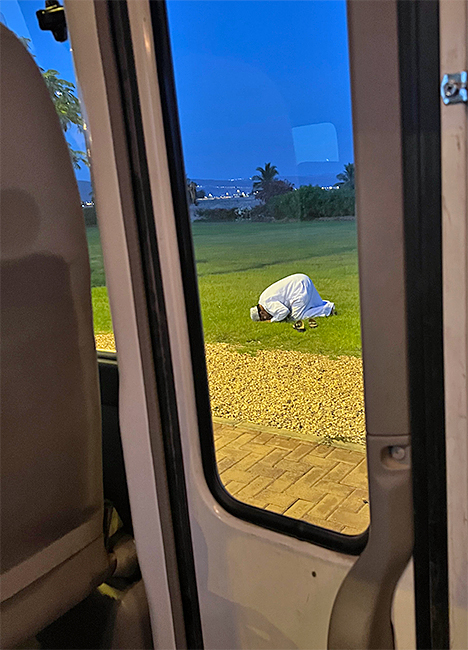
x,y
418,25
348,544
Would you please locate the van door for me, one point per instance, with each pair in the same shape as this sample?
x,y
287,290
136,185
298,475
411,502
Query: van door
x,y
290,565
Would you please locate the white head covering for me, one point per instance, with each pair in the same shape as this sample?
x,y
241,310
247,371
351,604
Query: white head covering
x,y
254,315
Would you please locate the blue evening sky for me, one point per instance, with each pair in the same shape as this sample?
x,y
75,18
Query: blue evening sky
x,y
249,72
257,81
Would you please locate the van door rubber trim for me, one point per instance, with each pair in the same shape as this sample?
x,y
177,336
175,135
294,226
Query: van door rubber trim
x,y
352,545
157,316
419,79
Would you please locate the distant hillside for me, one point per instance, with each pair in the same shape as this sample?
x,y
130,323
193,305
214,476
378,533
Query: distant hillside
x,y
85,189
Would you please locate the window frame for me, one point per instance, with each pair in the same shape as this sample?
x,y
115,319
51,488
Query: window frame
x,y
329,539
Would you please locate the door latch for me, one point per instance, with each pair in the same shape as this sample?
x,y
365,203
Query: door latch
x,y
454,88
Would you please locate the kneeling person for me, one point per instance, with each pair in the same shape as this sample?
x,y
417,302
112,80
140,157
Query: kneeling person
x,y
293,298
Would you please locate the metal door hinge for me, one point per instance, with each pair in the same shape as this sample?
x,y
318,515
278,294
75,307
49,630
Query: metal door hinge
x,y
454,88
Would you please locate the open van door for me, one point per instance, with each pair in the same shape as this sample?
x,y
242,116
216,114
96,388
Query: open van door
x,y
248,537
263,580
249,577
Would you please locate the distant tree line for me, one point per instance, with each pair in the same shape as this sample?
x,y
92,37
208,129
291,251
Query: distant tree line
x,y
280,201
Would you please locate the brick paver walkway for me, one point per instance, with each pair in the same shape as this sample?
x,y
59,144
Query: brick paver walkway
x,y
322,484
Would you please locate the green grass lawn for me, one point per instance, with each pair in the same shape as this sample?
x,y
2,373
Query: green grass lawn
x,y
237,261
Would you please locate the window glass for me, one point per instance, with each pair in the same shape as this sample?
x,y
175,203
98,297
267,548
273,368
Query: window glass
x,y
56,65
264,101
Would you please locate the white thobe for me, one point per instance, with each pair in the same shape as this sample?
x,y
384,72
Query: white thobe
x,y
294,298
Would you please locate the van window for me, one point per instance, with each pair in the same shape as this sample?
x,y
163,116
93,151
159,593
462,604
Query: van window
x,y
56,65
265,110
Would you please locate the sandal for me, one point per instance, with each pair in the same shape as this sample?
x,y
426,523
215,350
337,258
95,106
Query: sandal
x,y
299,326
312,323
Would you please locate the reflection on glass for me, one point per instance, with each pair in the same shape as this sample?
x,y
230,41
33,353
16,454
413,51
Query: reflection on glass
x,y
315,143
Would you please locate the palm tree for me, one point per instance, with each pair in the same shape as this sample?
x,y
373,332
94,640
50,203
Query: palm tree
x,y
65,101
265,178
78,157
347,177
67,105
